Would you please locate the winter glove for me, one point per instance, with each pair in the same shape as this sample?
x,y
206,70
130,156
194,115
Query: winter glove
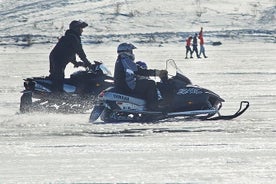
x,y
78,64
87,64
161,73
157,72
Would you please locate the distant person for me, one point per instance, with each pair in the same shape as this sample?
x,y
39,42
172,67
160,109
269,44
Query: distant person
x,y
65,51
188,47
195,45
126,77
201,43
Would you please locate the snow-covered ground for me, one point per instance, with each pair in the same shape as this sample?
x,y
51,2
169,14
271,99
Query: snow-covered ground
x,y
59,148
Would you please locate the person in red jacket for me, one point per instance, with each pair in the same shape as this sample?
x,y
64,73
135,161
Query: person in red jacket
x,y
201,43
188,47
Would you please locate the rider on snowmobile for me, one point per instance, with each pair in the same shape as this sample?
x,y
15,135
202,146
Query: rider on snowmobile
x,y
126,80
65,51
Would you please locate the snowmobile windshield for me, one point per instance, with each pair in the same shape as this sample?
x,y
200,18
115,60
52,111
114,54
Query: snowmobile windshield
x,y
175,72
105,70
172,68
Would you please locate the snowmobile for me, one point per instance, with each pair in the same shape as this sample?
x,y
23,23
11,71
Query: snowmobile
x,y
79,91
179,97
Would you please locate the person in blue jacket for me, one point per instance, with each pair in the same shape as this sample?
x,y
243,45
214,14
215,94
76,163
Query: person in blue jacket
x,y
65,51
126,79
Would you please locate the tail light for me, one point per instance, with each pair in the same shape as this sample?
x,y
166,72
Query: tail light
x,y
101,94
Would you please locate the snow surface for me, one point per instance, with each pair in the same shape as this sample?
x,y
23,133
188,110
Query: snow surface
x,y
65,148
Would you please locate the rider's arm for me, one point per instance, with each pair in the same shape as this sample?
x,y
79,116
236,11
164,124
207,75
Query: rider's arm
x,y
79,50
73,60
145,72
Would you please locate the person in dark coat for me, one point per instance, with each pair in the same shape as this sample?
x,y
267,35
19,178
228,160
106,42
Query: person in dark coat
x,y
126,78
195,46
65,51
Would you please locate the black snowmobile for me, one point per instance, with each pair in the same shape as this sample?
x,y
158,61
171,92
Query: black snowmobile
x,y
80,90
180,98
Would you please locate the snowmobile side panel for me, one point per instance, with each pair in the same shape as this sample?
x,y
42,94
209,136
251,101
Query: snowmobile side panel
x,y
123,98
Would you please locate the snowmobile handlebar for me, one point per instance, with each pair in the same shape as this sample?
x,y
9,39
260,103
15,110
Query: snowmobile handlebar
x,y
98,68
92,68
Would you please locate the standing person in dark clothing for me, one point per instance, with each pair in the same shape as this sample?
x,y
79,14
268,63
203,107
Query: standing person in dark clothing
x,y
126,80
201,43
188,47
195,45
65,51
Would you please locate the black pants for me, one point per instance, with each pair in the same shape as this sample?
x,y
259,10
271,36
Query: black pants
x,y
195,50
56,74
146,89
188,49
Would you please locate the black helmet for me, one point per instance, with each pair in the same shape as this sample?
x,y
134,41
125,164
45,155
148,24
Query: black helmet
x,y
125,47
76,24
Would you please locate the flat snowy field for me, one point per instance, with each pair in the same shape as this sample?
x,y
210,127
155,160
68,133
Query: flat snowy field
x,y
66,148
58,148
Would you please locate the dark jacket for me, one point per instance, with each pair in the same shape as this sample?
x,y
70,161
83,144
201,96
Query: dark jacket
x,y
125,73
65,51
195,40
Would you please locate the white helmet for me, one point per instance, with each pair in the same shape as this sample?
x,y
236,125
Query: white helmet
x,y
125,47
